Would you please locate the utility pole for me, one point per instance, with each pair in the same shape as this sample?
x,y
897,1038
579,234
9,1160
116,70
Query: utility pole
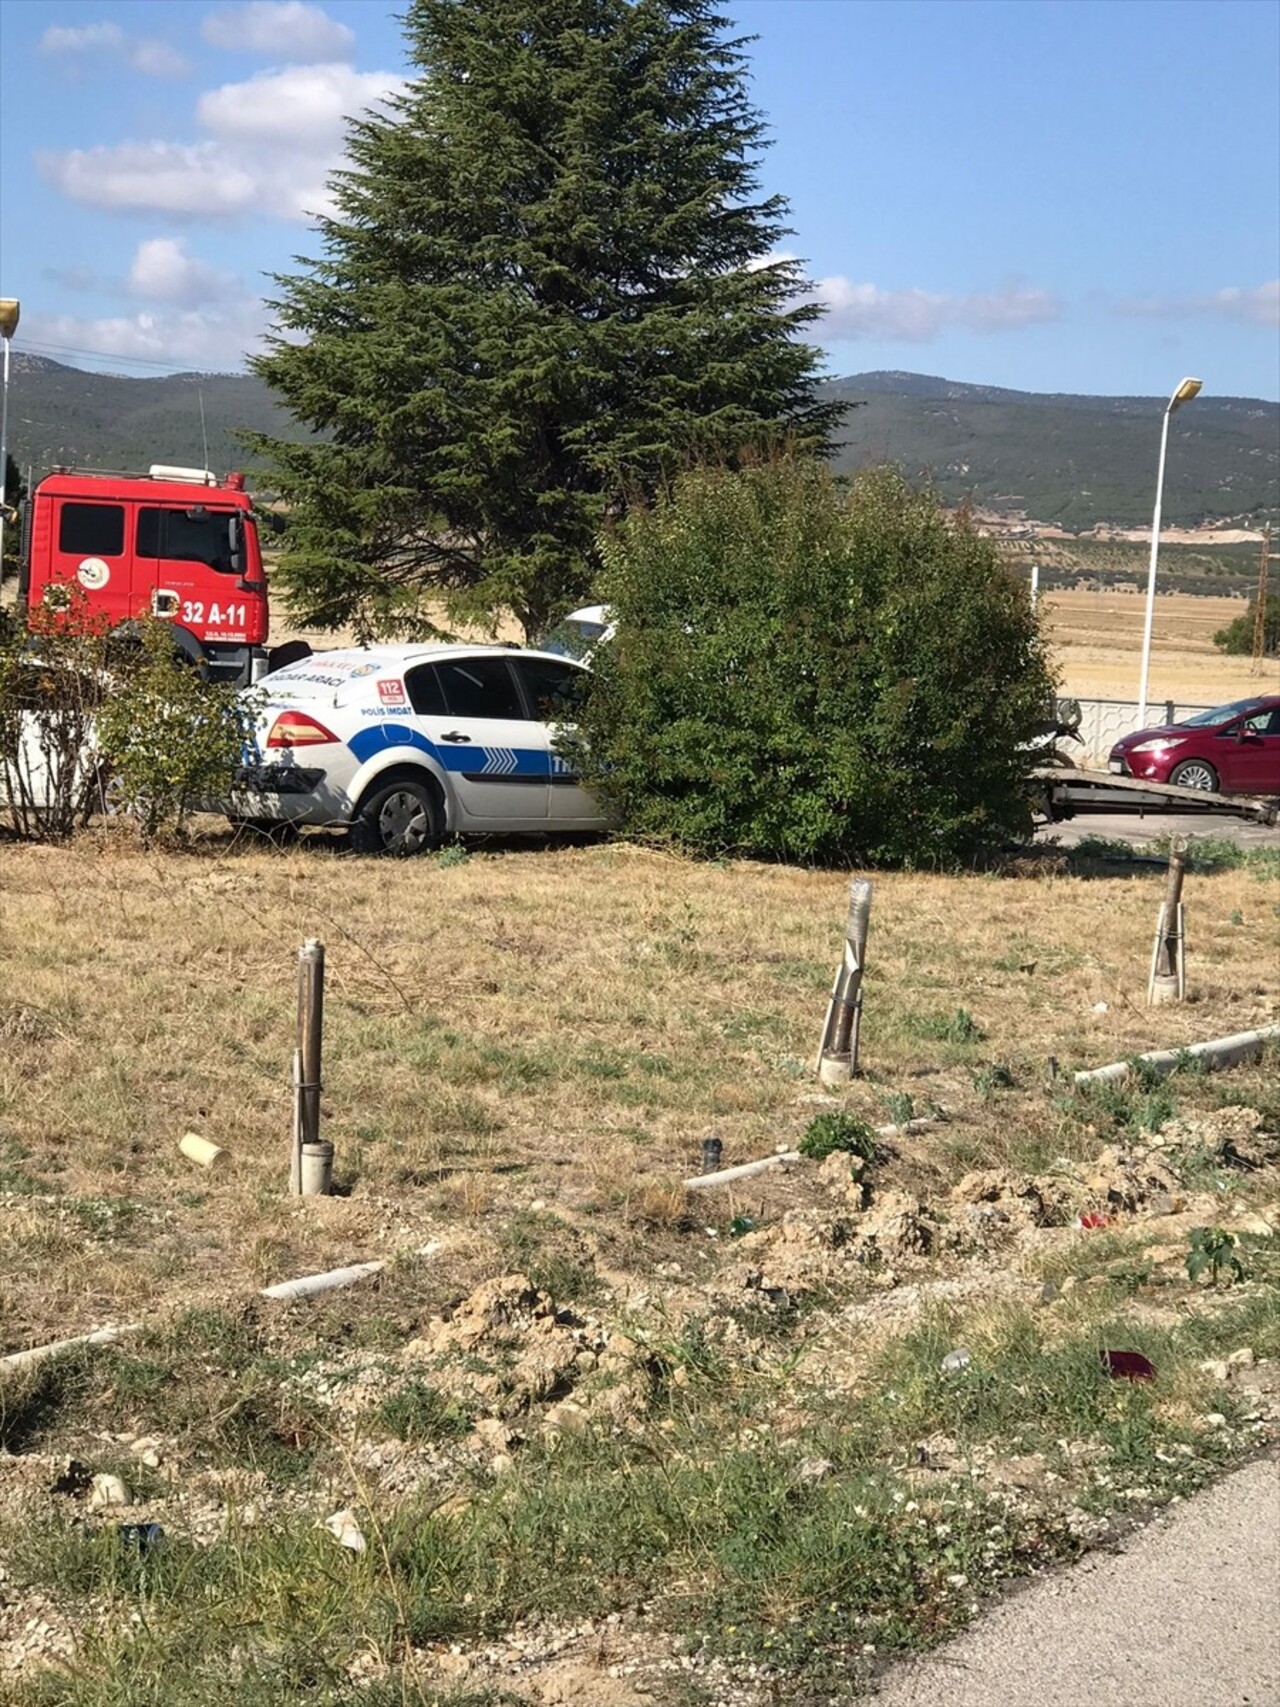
x,y
1260,602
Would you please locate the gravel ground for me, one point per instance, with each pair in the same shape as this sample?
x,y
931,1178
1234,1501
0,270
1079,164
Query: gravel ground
x,y
1187,1615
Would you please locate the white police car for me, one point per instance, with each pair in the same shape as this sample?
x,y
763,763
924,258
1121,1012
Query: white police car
x,y
408,744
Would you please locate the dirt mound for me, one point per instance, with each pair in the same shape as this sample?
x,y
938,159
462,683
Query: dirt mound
x,y
997,1200
508,1346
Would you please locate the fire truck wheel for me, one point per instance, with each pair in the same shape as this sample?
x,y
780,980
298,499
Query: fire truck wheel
x,y
399,817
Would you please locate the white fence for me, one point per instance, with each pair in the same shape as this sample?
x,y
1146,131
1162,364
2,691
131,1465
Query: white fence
x,y
1104,721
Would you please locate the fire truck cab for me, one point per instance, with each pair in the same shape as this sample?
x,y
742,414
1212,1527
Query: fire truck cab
x,y
172,543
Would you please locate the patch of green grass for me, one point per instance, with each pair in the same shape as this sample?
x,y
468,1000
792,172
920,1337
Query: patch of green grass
x,y
1128,1105
105,1217
995,1076
547,1250
418,1412
211,1380
957,1027
13,1176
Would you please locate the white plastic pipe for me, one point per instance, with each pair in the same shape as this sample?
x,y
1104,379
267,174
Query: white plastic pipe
x,y
310,1284
313,1283
1220,1052
785,1158
100,1336
725,1176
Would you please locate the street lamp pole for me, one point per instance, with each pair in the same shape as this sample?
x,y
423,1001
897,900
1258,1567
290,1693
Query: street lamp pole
x,y
10,309
1185,392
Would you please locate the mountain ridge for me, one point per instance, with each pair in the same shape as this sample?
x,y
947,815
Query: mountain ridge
x,y
1061,458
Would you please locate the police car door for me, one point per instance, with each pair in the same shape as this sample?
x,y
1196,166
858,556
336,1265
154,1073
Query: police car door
x,y
498,760
553,690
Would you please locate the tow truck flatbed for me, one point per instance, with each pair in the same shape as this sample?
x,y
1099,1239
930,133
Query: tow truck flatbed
x,y
1065,790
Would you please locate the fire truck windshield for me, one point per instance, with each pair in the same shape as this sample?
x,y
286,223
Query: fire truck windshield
x,y
187,537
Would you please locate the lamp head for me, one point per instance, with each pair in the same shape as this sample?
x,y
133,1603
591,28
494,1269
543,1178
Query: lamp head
x,y
10,308
1186,391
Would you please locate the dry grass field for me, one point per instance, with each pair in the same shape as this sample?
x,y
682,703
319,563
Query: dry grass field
x,y
668,1457
1097,641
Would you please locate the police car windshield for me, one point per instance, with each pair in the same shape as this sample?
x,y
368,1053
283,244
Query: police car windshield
x,y
573,639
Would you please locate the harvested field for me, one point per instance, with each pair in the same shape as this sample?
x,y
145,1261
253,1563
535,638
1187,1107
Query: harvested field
x,y
609,1441
1097,640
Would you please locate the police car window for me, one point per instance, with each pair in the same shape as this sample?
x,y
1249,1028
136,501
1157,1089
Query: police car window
x,y
480,687
91,530
426,694
553,690
186,539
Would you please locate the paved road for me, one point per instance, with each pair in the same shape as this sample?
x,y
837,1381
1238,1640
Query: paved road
x,y
1188,1615
1142,829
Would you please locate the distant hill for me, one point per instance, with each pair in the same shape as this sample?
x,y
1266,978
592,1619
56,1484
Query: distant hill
x,y
1066,459
1070,460
60,415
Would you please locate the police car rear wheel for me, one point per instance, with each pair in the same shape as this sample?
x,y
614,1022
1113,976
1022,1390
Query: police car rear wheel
x,y
400,819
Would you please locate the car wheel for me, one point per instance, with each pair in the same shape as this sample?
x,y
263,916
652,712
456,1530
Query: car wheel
x,y
400,818
1195,773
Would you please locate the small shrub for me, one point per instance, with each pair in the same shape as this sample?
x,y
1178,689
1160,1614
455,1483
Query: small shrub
x,y
53,681
838,1131
994,1077
901,1107
1213,1248
172,741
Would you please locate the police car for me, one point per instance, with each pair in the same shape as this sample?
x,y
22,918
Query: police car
x,y
409,744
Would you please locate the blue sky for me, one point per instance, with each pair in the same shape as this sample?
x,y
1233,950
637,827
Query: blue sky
x,y
1055,195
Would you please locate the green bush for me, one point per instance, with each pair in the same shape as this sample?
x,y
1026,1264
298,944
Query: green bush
x,y
1237,637
804,673
827,1133
53,678
171,741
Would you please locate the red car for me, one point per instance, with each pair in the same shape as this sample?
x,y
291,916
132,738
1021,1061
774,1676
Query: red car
x,y
1234,749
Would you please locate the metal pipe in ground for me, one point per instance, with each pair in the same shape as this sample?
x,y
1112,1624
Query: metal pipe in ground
x,y
311,1179
838,1056
1168,980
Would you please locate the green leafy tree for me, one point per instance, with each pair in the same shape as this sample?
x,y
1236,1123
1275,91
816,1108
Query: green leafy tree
x,y
1237,636
808,674
12,497
544,289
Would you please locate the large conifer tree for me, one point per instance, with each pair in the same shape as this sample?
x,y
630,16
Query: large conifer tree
x,y
544,290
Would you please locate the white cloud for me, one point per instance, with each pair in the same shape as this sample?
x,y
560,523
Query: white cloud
x,y
163,271
87,38
279,29
160,177
206,339
302,107
856,311
275,140
1257,306
147,54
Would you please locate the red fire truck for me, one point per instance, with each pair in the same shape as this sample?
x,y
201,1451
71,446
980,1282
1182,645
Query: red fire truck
x,y
172,543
